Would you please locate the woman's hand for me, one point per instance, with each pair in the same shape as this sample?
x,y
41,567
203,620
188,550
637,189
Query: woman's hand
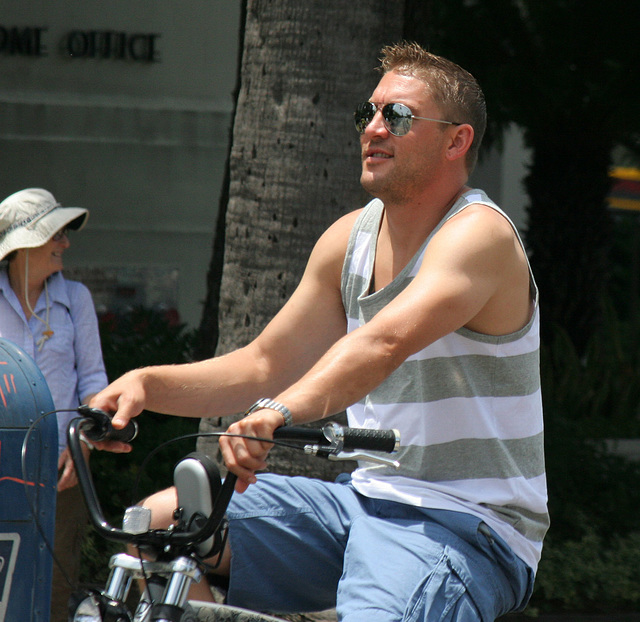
x,y
67,470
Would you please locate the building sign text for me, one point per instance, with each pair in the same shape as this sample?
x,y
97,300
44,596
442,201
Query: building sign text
x,y
31,41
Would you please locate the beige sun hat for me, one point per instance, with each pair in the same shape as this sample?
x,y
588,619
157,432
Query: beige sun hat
x,y
30,218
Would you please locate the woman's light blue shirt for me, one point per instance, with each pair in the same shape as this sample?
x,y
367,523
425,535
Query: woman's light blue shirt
x,y
71,360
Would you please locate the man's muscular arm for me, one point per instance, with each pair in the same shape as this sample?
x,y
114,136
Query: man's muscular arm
x,y
470,264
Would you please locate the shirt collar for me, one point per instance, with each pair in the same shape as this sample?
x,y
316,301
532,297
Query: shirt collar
x,y
58,290
4,279
55,285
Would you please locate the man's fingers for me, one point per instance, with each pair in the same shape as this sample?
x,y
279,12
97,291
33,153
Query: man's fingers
x,y
239,459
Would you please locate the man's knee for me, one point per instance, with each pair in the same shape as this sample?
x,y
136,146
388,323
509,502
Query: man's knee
x,y
162,505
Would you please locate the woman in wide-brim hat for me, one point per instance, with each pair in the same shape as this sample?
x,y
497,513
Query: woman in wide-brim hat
x,y
54,321
33,237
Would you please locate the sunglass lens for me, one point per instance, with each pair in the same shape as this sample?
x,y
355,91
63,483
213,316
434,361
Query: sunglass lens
x,y
363,116
398,118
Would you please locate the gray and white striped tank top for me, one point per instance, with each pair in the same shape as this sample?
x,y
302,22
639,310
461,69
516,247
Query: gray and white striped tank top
x,y
468,408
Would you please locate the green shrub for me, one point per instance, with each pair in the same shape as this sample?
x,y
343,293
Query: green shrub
x,y
592,552
143,337
586,400
590,574
600,390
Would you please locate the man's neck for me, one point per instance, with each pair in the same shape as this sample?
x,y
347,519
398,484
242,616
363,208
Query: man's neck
x,y
403,231
410,223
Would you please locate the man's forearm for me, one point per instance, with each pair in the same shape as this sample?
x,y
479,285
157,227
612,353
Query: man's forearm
x,y
353,367
216,387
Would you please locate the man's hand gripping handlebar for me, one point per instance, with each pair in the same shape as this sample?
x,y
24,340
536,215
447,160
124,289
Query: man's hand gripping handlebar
x,y
97,428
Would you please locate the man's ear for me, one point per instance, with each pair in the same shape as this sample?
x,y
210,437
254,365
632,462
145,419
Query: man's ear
x,y
461,139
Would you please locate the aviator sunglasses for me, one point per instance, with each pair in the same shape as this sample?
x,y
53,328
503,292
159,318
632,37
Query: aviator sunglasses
x,y
397,118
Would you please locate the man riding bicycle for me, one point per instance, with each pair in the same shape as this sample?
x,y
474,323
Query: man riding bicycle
x,y
418,312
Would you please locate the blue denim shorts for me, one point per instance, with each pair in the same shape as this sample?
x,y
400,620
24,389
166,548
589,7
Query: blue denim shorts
x,y
300,544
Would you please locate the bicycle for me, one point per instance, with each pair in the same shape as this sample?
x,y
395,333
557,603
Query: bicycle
x,y
200,530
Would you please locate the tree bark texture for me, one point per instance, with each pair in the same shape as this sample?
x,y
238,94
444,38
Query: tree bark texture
x,y
294,160
295,156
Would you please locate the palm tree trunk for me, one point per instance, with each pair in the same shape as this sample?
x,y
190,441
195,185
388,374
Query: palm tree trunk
x,y
294,164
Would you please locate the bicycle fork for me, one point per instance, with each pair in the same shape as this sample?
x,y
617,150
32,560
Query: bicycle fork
x,y
165,595
162,601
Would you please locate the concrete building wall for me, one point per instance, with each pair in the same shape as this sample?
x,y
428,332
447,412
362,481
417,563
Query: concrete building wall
x,y
141,143
501,173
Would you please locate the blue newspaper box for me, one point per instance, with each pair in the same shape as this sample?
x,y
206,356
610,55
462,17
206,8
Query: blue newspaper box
x,y
27,488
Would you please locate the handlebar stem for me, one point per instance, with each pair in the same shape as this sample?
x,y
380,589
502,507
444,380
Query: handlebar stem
x,y
177,589
181,573
140,568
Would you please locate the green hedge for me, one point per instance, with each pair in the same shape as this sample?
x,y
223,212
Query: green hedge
x,y
592,574
592,552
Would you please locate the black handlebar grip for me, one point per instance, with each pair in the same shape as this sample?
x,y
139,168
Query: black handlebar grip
x,y
373,440
352,438
305,435
126,434
98,426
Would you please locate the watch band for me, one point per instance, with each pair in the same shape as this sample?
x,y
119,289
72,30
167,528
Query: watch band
x,y
266,402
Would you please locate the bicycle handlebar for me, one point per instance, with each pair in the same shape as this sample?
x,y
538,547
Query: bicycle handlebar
x,y
100,428
328,441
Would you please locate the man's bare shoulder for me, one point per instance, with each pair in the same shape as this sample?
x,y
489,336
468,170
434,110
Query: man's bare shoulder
x,y
481,225
483,213
481,244
335,239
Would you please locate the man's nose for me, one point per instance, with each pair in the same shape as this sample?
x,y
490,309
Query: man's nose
x,y
377,124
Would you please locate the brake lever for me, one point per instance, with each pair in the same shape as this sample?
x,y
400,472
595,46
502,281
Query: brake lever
x,y
328,453
365,456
